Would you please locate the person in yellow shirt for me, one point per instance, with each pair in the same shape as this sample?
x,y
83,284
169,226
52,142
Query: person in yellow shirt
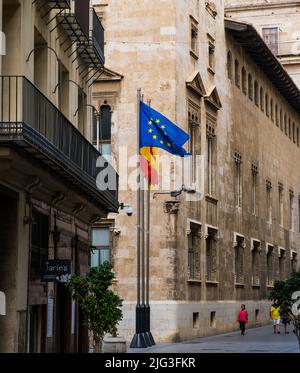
x,y
275,316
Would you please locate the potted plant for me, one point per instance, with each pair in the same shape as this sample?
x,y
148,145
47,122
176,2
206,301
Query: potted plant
x,y
100,306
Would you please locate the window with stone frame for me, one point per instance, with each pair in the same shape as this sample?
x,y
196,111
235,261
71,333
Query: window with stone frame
x,y
291,195
229,65
270,265
101,246
256,93
261,97
211,255
211,53
194,119
250,87
254,176
255,256
237,179
239,247
244,81
211,153
280,197
281,263
294,261
237,74
104,130
269,200
194,38
194,252
271,38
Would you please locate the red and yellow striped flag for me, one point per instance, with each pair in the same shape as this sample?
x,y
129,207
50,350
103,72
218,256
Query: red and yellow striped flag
x,y
149,165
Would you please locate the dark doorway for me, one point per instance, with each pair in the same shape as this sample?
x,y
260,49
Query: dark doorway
x,y
63,319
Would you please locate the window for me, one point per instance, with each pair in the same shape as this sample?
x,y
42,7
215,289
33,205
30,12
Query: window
x,y
194,272
285,124
256,93
194,132
239,260
101,242
261,94
270,36
267,104
229,65
294,132
211,255
254,172
238,180
291,210
281,260
270,265
293,261
194,37
272,110
276,116
211,54
105,129
280,192
213,320
211,140
237,73
255,263
39,244
196,320
250,87
269,201
244,81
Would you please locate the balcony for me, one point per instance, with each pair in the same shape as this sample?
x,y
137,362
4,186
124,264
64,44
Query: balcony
x,y
59,4
83,26
31,123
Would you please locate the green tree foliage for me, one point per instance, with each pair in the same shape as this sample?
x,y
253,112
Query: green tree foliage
x,y
283,292
100,306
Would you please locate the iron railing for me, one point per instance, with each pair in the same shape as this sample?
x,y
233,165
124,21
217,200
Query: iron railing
x,y
24,108
98,35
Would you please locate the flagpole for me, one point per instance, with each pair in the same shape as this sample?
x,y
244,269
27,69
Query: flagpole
x,y
148,225
138,340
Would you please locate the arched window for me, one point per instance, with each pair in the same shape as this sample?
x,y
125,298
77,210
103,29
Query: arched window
x,y
285,124
229,65
267,104
256,93
250,87
244,81
272,110
276,116
262,106
237,73
294,133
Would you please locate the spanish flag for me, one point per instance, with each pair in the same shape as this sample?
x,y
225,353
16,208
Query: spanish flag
x,y
149,165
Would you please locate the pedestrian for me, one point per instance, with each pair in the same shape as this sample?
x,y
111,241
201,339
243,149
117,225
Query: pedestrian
x,y
286,321
275,316
243,319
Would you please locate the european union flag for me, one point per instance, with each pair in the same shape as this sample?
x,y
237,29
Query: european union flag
x,y
159,132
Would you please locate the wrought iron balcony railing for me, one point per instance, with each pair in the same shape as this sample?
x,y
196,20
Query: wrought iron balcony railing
x,y
29,120
59,4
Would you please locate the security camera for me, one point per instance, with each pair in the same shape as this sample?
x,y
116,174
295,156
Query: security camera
x,y
128,209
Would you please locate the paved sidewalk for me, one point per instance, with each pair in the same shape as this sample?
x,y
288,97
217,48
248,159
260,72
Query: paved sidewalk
x,y
258,340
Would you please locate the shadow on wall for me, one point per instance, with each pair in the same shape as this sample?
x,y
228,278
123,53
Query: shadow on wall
x,y
2,304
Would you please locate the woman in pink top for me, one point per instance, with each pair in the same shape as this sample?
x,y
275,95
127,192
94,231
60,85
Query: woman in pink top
x,y
243,318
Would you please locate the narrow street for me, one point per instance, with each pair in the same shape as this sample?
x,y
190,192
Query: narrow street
x,y
259,340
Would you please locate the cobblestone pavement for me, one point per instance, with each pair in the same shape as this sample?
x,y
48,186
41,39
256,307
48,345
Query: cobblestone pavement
x,y
258,340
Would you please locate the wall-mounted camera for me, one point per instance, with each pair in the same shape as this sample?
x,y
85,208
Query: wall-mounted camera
x,y
127,208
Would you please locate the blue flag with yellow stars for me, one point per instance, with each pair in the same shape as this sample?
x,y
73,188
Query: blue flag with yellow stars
x,y
159,132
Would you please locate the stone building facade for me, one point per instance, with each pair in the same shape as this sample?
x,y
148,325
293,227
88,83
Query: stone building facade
x,y
48,194
207,256
270,20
